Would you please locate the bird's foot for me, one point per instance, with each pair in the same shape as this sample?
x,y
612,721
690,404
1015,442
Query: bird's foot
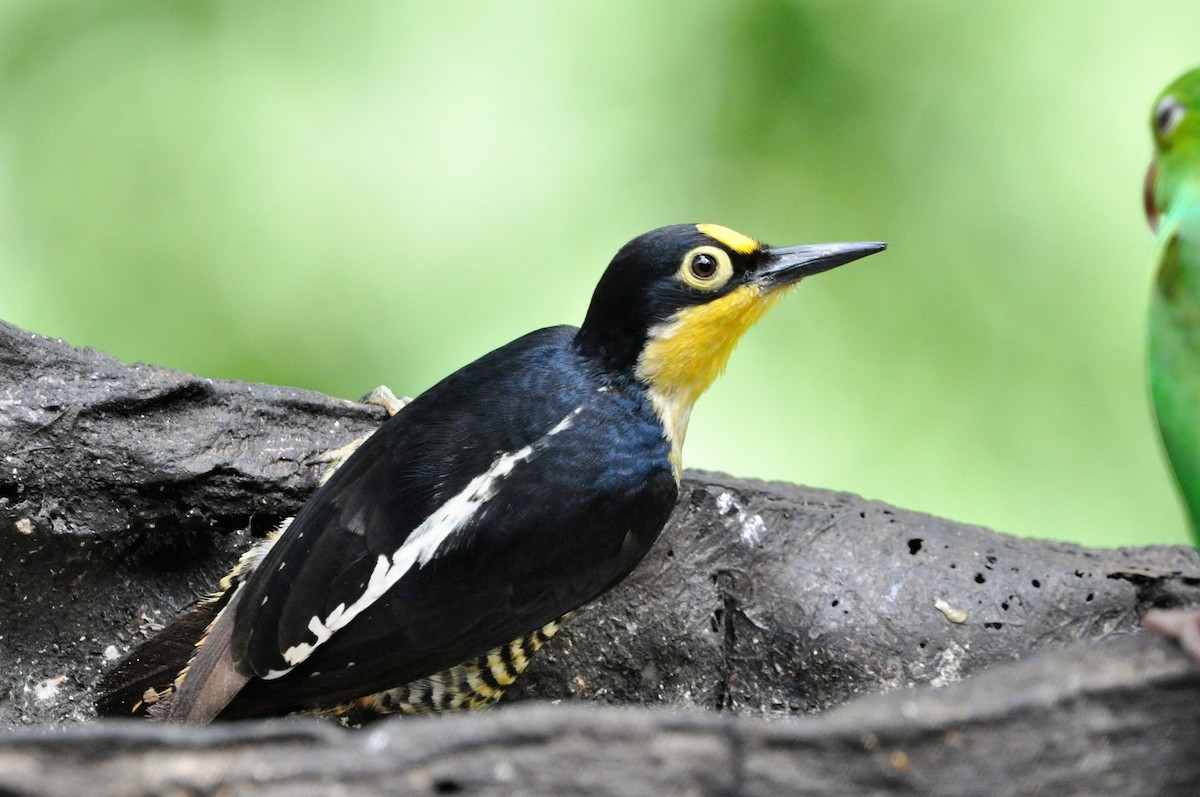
x,y
334,458
1180,624
383,396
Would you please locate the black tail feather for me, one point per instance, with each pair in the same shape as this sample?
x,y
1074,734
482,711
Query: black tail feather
x,y
124,691
213,676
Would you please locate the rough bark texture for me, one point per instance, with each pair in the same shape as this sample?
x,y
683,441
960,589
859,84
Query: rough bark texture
x,y
125,491
1106,718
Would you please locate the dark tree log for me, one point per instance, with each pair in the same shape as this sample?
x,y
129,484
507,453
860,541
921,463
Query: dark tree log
x,y
1111,718
125,491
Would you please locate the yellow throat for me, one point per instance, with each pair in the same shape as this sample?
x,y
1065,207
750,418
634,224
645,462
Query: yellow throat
x,y
684,354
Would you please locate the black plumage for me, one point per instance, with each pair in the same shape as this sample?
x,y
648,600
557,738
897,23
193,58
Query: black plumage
x,y
564,524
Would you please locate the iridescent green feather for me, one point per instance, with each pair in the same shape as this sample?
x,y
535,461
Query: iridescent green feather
x,y
1174,356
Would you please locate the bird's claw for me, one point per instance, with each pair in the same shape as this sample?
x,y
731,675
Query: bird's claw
x,y
383,396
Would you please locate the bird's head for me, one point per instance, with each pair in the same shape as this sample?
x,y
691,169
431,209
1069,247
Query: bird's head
x,y
1175,126
674,302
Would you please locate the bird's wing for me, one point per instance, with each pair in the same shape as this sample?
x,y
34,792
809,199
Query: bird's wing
x,y
467,520
1174,332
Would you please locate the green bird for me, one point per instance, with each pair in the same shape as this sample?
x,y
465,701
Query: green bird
x,y
1172,197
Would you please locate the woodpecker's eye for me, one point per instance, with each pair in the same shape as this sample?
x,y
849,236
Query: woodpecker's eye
x,y
706,268
1167,116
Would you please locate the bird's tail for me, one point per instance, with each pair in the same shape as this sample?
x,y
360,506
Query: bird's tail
x,y
212,678
145,682
147,677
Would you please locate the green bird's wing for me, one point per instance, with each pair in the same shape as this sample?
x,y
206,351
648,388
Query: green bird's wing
x,y
1175,349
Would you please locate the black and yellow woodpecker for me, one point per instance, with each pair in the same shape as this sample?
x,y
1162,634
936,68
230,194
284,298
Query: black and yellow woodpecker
x,y
455,540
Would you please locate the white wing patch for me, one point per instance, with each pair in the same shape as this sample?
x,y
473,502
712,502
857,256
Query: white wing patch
x,y
421,546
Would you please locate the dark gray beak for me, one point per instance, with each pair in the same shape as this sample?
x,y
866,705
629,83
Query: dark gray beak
x,y
790,264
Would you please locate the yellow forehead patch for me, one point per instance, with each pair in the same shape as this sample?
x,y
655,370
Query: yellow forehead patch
x,y
742,244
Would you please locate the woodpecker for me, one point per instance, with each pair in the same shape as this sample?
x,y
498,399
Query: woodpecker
x,y
454,542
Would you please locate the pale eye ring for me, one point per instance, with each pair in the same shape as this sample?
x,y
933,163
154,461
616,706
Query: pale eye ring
x,y
1167,116
706,268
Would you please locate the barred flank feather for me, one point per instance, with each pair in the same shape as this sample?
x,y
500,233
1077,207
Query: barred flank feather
x,y
474,684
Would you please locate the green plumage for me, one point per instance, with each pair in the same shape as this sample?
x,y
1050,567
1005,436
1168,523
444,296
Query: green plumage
x,y
1173,203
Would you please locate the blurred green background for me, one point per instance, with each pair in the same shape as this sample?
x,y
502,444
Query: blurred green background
x,y
337,195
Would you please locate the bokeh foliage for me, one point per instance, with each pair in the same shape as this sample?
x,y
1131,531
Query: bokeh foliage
x,y
336,195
